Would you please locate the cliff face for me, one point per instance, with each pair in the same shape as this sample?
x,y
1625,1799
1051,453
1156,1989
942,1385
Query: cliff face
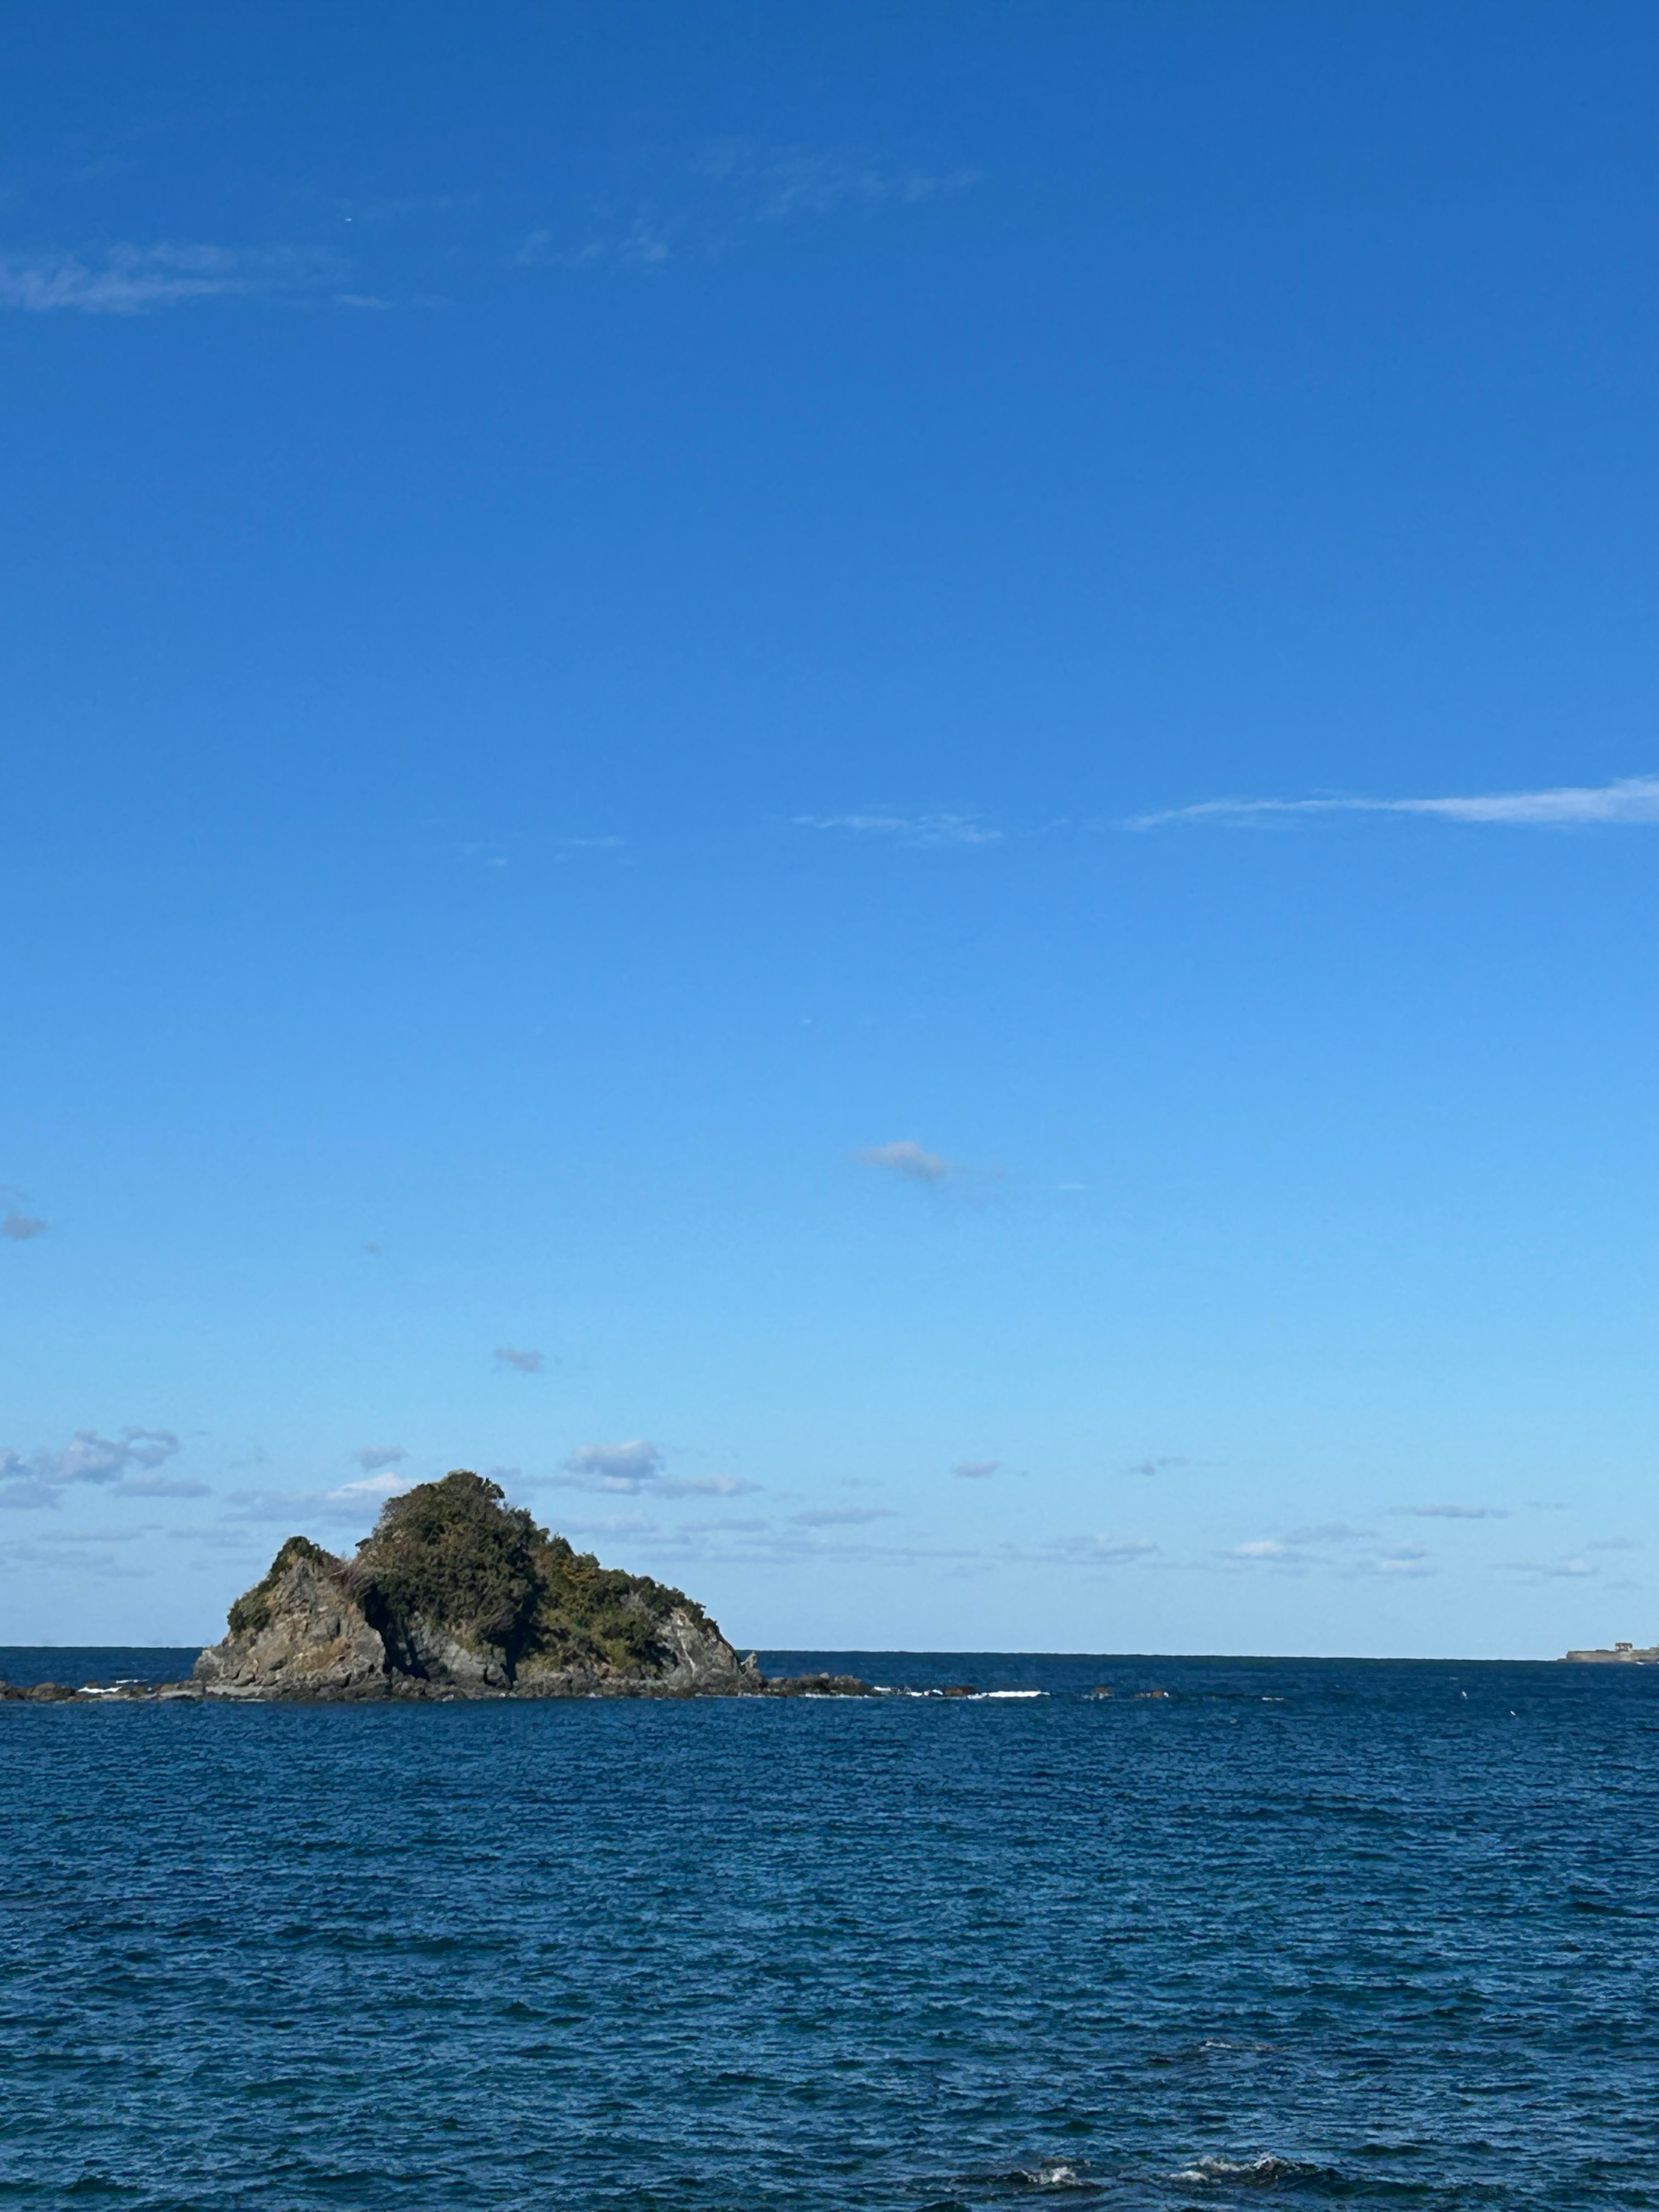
x,y
457,1594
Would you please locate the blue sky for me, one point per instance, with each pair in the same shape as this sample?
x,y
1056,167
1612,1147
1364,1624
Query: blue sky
x,y
873,787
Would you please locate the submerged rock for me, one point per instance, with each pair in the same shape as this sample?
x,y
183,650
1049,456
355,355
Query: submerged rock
x,y
457,1594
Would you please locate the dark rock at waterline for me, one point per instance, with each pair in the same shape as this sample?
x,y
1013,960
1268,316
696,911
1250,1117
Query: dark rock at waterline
x,y
814,1685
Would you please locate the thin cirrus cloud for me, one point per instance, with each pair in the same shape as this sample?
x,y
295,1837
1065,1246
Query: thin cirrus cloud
x,y
1299,1549
883,822
907,1160
842,1516
1452,1512
131,280
779,183
698,206
976,1470
1631,800
1097,1551
523,1361
373,1457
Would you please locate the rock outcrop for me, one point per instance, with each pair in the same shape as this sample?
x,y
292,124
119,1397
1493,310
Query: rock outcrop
x,y
457,1594
1622,1654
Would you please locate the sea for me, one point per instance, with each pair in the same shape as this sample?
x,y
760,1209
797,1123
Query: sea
x,y
1374,1934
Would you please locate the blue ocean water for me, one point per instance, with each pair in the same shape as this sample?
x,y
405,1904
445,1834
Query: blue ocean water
x,y
1385,1935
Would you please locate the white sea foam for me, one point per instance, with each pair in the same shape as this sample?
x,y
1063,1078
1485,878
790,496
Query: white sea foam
x,y
1263,2171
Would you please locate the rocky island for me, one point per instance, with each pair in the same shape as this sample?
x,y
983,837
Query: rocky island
x,y
458,1595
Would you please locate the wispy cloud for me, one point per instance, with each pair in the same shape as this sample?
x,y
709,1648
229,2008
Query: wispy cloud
x,y
697,208
1633,799
373,1457
906,829
1093,1550
1334,1546
628,1465
614,1524
780,183
351,1503
976,1470
525,1362
16,1222
633,1468
130,279
1451,1512
841,1516
125,1463
88,1457
906,1159
161,1486
1161,1466
1572,1569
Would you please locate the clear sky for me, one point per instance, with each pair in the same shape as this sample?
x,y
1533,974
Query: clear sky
x,y
871,786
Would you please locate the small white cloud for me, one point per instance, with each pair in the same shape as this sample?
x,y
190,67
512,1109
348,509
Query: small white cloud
x,y
629,1466
906,1159
976,1470
1263,1547
524,1361
1631,800
371,1457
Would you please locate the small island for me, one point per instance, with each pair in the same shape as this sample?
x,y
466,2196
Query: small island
x,y
1622,1654
457,1594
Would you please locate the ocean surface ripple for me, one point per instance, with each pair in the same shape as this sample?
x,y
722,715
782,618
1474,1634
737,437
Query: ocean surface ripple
x,y
1376,1934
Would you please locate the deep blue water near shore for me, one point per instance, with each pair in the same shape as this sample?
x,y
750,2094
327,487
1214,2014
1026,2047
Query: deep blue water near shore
x,y
1375,1932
